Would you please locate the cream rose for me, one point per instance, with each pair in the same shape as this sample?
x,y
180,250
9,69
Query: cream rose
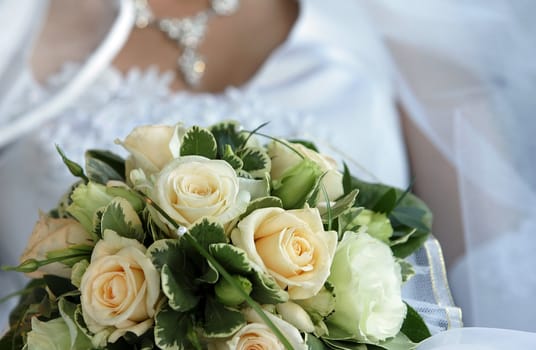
x,y
367,281
120,288
283,159
292,246
50,234
151,147
193,187
258,336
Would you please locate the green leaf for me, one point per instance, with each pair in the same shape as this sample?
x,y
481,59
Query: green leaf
x,y
232,258
227,133
340,206
346,179
409,216
178,276
348,221
200,142
406,270
221,321
398,342
308,144
179,290
174,330
264,202
256,161
344,345
386,203
79,338
230,157
103,166
75,168
313,343
208,232
130,195
121,217
414,242
58,285
414,326
266,290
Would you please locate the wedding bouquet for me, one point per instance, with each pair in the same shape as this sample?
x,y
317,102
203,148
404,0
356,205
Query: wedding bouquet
x,y
219,238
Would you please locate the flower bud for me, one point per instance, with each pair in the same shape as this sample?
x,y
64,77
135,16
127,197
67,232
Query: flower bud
x,y
87,199
297,184
227,294
296,316
378,224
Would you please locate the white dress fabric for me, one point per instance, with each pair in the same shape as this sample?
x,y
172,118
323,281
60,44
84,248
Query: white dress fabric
x,y
326,82
469,83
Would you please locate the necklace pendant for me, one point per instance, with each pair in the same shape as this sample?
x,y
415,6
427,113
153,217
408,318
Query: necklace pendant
x,y
192,66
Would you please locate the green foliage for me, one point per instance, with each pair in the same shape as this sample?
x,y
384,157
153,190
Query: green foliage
x,y
341,206
175,330
230,157
265,289
58,285
406,270
414,326
263,202
104,166
227,134
255,161
200,142
408,214
34,301
221,321
120,217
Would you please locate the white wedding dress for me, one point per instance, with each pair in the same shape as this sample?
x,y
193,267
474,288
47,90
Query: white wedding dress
x,y
323,83
331,81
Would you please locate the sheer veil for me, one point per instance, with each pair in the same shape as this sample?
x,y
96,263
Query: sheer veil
x,y
469,85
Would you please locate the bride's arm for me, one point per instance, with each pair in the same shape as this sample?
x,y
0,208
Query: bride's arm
x,y
436,183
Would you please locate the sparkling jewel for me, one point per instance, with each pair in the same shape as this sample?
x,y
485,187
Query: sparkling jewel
x,y
188,32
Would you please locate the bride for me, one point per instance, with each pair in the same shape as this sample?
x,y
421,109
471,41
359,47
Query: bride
x,y
99,68
312,68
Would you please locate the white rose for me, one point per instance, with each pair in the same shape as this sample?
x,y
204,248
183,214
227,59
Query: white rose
x,y
193,187
50,234
367,281
257,335
120,288
151,147
283,159
292,246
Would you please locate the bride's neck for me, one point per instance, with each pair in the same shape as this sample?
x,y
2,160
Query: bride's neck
x,y
235,47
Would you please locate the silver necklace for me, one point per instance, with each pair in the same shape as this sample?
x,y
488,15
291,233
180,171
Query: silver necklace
x,y
187,32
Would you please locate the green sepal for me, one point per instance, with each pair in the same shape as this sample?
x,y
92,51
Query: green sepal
x,y
198,141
